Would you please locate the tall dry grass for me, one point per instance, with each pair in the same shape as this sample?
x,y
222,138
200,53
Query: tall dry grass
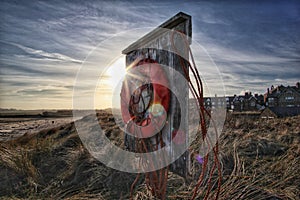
x,y
260,160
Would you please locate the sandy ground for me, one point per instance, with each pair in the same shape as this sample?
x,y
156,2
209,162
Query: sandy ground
x,y
15,127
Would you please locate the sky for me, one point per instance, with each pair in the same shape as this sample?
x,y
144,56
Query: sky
x,y
43,44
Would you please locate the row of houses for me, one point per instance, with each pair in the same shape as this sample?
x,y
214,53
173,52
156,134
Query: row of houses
x,y
246,102
280,100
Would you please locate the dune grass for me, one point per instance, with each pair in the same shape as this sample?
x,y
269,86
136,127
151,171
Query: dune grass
x,y
260,160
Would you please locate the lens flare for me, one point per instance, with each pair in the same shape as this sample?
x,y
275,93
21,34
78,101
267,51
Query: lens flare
x,y
157,110
199,159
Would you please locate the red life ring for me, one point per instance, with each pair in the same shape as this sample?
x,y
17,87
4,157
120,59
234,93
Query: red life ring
x,y
145,99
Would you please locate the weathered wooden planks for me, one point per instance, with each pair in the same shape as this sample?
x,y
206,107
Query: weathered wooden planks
x,y
157,45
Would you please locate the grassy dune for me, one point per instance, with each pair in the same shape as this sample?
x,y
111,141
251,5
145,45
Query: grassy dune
x,y
260,160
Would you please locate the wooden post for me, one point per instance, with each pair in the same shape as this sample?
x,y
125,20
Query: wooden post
x,y
157,46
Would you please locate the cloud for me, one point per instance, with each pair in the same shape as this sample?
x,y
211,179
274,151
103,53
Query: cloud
x,y
43,54
43,43
34,92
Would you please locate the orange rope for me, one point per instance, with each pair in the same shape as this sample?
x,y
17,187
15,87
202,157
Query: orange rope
x,y
197,93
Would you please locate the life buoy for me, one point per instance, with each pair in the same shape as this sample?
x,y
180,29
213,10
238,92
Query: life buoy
x,y
145,99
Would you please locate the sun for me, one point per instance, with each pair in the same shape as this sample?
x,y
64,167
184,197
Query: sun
x,y
108,88
116,72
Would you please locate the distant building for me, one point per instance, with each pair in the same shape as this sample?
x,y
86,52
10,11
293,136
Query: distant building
x,y
207,102
282,96
283,100
229,102
280,101
260,100
210,102
246,102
